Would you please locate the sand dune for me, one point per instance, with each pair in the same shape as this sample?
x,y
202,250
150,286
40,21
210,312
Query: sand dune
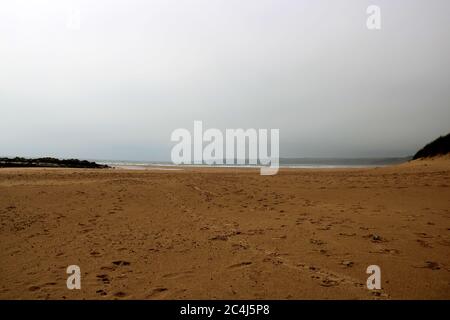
x,y
226,233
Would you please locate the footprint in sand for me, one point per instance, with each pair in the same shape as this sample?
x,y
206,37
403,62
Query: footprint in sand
x,y
157,292
424,243
50,284
120,294
430,265
34,288
177,275
121,263
101,292
104,278
240,265
329,283
317,242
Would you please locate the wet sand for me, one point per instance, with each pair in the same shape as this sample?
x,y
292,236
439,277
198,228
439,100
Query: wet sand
x,y
226,233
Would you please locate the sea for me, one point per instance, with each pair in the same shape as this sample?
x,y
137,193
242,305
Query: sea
x,y
312,163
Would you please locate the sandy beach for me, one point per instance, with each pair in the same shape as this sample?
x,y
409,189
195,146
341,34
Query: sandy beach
x,y
226,233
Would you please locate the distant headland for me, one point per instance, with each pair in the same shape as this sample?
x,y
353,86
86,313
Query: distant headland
x,y
438,147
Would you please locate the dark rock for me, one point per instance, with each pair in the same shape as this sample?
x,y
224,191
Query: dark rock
x,y
49,162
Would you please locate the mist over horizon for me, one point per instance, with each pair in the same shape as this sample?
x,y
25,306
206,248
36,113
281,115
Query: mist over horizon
x,y
115,84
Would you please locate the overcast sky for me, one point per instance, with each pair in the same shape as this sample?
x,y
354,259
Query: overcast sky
x,y
118,83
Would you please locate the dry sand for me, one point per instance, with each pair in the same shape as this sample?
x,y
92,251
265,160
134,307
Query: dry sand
x,y
226,233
